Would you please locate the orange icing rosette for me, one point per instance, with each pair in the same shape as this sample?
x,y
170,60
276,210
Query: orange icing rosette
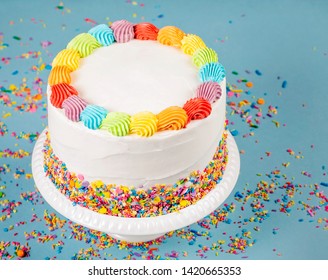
x,y
59,74
197,108
67,57
143,124
170,36
172,118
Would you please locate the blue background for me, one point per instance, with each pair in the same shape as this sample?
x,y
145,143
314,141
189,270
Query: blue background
x,y
265,42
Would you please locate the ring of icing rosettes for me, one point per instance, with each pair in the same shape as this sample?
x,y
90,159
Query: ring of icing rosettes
x,y
65,96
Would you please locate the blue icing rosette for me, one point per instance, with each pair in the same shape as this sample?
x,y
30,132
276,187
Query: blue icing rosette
x,y
103,34
213,71
93,115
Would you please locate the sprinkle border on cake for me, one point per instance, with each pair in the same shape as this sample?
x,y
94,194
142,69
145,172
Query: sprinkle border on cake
x,y
64,96
132,202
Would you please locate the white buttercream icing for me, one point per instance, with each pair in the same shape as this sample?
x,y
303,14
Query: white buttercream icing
x,y
136,76
118,78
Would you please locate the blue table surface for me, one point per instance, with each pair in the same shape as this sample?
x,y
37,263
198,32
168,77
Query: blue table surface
x,y
279,207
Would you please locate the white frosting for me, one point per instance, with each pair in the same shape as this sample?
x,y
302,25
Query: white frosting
x,y
131,160
114,77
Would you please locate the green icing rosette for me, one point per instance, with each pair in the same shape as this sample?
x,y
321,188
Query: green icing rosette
x,y
117,123
203,56
84,43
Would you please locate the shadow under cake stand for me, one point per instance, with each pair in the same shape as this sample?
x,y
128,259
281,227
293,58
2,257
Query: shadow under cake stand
x,y
136,229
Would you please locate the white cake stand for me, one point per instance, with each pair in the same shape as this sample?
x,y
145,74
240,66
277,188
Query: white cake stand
x,y
136,229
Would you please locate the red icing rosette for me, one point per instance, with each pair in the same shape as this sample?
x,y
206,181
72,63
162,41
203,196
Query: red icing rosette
x,y
197,108
61,92
145,31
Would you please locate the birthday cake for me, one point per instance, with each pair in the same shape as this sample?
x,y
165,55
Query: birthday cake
x,y
136,120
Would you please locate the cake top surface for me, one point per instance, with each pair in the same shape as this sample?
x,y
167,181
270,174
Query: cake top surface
x,y
135,79
136,76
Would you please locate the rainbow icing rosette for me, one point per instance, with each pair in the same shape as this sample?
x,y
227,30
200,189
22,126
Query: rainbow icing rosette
x,y
145,124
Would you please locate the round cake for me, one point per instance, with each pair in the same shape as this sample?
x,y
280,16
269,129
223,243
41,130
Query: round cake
x,y
136,119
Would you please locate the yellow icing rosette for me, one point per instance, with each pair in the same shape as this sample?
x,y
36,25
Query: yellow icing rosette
x,y
143,124
190,43
67,57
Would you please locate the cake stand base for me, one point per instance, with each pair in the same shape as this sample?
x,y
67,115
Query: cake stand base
x,y
136,229
135,238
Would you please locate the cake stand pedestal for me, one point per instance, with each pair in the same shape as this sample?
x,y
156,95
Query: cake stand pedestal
x,y
136,229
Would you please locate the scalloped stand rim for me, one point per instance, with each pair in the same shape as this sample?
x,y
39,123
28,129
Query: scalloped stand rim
x,y
136,229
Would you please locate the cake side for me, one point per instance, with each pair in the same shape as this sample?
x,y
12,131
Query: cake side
x,y
133,161
123,201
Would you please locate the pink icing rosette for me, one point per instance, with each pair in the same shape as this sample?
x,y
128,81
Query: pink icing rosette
x,y
123,31
73,106
211,91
